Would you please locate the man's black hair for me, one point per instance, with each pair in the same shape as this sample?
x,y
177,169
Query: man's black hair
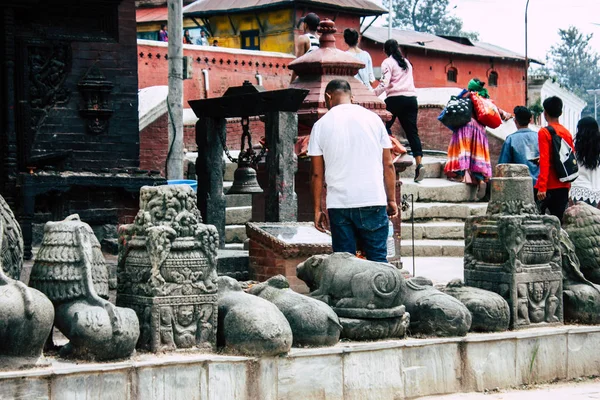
x,y
522,115
338,84
351,37
553,106
312,20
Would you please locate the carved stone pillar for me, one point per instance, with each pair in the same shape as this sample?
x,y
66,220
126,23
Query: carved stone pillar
x,y
167,270
209,172
515,252
281,202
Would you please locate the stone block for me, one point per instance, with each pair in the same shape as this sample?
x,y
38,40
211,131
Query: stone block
x,y
581,361
433,248
311,378
541,358
439,190
238,215
235,234
488,365
227,381
373,375
229,170
435,230
24,388
432,369
238,200
262,379
181,382
92,386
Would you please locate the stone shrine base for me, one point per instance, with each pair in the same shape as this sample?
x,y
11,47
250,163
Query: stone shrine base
x,y
394,369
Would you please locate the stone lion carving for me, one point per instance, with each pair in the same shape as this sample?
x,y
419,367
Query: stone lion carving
x,y
582,223
69,268
371,288
26,320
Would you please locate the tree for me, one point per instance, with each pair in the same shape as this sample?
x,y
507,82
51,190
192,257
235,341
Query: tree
x,y
431,16
576,66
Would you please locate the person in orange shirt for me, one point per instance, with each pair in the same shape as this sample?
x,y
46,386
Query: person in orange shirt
x,y
552,193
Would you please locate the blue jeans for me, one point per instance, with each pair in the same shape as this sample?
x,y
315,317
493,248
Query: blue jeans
x,y
369,225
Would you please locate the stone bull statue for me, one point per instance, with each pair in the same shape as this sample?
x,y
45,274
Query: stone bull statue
x,y
313,323
346,282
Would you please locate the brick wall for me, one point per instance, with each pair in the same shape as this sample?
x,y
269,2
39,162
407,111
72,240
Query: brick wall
x,y
265,263
429,70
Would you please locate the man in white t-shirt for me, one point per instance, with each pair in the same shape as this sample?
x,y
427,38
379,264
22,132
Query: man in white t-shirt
x,y
350,151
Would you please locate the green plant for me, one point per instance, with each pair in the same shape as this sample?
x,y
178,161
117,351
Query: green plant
x,y
536,348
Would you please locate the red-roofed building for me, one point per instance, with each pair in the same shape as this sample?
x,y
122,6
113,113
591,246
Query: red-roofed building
x,y
452,62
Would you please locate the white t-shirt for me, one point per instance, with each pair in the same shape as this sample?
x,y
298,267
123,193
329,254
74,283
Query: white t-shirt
x,y
351,140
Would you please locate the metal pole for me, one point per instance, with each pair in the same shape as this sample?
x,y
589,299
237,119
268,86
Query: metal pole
x,y
175,97
390,19
526,58
596,106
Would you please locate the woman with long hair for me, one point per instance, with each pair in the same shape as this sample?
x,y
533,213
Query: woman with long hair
x,y
587,151
365,75
398,84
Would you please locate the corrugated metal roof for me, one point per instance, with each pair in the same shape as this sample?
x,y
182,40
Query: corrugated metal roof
x,y
212,7
151,14
428,41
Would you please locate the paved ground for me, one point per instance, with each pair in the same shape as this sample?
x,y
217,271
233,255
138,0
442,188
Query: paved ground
x,y
440,270
586,389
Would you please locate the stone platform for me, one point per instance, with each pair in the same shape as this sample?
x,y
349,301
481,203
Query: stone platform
x,y
395,369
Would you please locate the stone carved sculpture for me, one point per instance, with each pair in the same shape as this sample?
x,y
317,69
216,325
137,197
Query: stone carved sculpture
x,y
250,325
27,315
515,252
69,269
313,322
580,296
12,242
582,223
167,270
489,310
364,290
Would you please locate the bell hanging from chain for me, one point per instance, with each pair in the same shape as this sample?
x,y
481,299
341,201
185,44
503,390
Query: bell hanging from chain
x,y
244,179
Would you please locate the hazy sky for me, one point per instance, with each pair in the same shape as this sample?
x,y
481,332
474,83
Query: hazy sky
x,y
502,22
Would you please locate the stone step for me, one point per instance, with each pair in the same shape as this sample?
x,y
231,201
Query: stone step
x,y
235,233
434,230
433,248
233,263
229,170
238,215
238,200
426,211
441,190
434,168
234,246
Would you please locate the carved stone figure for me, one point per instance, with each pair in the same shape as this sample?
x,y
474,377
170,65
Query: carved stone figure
x,y
582,223
69,268
27,317
167,270
248,324
580,296
313,322
12,242
363,289
489,310
515,252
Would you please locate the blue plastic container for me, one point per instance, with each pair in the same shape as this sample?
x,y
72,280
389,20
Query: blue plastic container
x,y
192,183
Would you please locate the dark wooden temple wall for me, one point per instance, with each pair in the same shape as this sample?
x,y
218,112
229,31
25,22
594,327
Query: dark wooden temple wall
x,y
59,44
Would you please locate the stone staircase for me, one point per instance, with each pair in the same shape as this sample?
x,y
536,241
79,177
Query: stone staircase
x,y
238,211
440,210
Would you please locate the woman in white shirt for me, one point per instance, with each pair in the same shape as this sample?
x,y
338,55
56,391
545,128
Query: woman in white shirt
x,y
365,75
587,150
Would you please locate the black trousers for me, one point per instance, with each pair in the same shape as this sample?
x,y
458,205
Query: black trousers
x,y
556,202
406,110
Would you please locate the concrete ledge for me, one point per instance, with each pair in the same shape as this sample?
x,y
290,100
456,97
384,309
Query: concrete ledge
x,y
394,369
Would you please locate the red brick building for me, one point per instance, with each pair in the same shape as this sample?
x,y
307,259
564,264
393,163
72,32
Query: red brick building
x,y
452,62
